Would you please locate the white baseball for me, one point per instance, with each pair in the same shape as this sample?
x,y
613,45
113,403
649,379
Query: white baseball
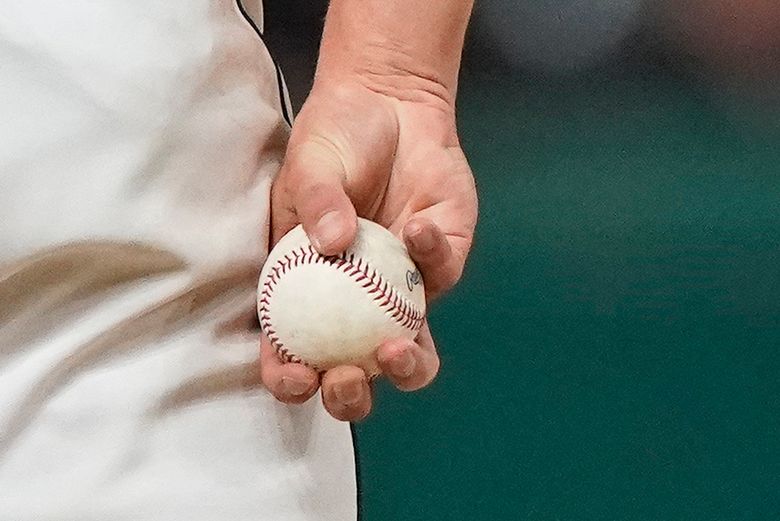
x,y
328,311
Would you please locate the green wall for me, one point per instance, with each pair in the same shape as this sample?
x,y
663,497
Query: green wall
x,y
613,351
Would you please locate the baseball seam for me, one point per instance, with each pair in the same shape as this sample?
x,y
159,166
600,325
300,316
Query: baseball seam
x,y
382,292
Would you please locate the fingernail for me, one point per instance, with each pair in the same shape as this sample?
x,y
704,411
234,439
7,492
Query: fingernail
x,y
350,392
422,239
294,387
403,365
327,230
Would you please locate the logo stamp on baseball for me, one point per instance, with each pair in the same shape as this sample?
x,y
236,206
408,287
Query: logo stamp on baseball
x,y
325,311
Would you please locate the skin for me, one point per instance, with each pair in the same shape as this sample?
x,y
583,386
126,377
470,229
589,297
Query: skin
x,y
377,138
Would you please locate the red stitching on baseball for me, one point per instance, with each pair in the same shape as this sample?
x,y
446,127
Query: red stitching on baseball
x,y
400,309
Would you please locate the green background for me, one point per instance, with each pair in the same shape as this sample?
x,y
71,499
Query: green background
x,y
613,351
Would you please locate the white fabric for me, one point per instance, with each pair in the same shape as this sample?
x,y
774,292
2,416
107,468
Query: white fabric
x,y
138,139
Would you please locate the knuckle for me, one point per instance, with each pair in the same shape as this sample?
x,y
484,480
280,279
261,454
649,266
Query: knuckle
x,y
449,276
427,372
319,189
318,194
315,154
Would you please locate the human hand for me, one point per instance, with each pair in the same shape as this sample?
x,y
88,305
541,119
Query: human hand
x,y
389,153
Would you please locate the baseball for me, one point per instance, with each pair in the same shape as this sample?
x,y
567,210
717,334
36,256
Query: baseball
x,y
325,311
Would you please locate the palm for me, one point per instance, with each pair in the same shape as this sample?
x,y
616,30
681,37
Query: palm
x,y
401,160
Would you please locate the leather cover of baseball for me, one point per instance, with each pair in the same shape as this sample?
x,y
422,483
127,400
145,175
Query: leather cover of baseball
x,y
325,311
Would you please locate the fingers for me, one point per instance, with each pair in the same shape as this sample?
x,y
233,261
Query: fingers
x,y
289,383
409,365
312,184
431,251
346,393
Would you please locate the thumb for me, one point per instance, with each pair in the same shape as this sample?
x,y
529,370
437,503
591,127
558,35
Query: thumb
x,y
313,176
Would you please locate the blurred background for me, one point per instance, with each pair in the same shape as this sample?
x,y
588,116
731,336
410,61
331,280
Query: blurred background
x,y
613,351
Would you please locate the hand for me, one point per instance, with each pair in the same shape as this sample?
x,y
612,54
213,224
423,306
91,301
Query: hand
x,y
392,156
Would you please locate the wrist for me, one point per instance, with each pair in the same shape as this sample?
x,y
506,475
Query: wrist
x,y
390,73
378,44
